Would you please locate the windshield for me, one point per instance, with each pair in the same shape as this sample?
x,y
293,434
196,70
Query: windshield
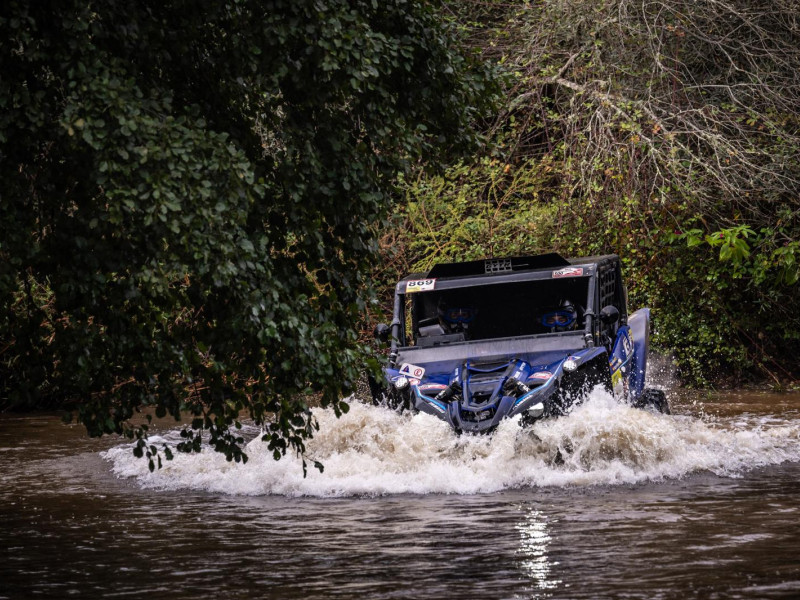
x,y
496,311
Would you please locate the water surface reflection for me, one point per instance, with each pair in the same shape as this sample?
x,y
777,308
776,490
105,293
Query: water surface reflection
x,y
534,542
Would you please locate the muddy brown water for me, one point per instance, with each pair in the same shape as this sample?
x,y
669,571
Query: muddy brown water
x,y
609,502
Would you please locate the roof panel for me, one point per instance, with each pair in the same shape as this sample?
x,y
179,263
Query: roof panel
x,y
496,266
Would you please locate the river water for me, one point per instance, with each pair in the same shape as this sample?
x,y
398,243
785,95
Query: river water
x,y
608,502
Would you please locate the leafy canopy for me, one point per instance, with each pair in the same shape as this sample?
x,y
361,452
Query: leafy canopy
x,y
190,195
666,132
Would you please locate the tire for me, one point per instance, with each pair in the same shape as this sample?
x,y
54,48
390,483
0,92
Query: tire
x,y
652,398
385,395
575,387
377,390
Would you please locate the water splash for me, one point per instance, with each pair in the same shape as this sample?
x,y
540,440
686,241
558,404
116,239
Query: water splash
x,y
375,451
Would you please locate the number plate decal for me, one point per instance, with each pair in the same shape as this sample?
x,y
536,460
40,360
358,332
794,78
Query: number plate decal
x,y
420,285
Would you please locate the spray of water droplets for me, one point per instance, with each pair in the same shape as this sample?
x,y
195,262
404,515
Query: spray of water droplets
x,y
376,451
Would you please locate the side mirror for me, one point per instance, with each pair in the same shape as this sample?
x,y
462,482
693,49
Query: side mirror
x,y
609,315
382,332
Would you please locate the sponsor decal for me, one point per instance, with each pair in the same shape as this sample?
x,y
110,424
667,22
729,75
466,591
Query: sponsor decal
x,y
420,285
626,344
433,404
568,272
541,375
413,382
433,387
412,371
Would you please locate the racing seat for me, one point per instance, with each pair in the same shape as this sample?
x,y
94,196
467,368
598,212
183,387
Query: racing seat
x,y
431,330
431,333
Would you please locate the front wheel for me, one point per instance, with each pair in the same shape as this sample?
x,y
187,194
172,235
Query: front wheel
x,y
654,399
377,390
387,395
575,387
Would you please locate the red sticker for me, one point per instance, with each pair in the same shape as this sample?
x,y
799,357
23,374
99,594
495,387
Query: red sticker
x,y
433,386
568,272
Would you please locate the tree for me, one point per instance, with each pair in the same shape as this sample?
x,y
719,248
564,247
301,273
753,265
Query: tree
x,y
666,131
190,195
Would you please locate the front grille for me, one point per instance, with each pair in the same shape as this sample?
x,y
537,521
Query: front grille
x,y
484,378
477,417
480,398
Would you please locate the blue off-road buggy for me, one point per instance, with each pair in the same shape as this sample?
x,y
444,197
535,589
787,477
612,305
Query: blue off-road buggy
x,y
476,342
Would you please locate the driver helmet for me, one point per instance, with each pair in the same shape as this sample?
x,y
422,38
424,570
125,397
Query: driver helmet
x,y
455,319
563,318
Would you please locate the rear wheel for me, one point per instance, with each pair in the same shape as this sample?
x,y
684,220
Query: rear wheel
x,y
654,399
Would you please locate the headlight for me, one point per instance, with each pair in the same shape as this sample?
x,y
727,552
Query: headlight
x,y
536,410
401,383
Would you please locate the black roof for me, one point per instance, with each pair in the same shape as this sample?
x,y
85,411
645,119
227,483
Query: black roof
x,y
501,266
594,260
505,270
496,266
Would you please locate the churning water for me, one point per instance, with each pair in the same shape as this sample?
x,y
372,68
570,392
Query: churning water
x,y
608,502
375,451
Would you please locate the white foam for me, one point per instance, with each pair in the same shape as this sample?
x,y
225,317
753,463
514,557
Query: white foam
x,y
375,451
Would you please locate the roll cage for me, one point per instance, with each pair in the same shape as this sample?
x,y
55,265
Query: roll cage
x,y
508,296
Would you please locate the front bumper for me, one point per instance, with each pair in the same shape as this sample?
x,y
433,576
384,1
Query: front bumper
x,y
484,419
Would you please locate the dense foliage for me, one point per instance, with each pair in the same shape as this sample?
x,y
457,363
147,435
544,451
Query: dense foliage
x,y
189,200
666,132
